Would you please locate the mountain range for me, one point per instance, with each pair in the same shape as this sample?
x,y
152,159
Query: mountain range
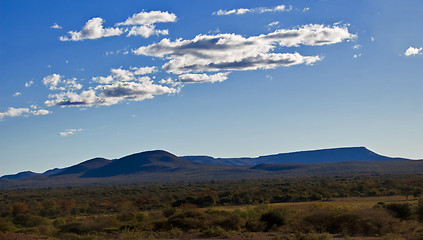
x,y
162,166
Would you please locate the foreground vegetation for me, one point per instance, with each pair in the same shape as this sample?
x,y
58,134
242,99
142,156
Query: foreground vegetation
x,y
387,206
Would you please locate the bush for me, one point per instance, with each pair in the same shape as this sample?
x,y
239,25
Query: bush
x,y
400,210
186,220
364,222
74,227
6,226
29,220
273,218
420,210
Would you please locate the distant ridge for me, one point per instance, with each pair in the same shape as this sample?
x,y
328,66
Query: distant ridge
x,y
150,161
84,166
345,154
161,166
20,175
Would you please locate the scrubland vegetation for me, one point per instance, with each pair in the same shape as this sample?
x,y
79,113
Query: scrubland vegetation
x,y
387,206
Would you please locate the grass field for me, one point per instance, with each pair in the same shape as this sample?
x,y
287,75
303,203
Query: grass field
x,y
334,203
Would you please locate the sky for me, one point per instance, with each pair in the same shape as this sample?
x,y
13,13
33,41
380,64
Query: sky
x,y
85,79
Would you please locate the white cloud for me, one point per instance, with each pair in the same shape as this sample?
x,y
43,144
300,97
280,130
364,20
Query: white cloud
x,y
17,112
146,18
146,31
357,55
272,24
142,25
56,26
93,29
225,52
40,112
241,11
372,39
203,78
69,132
13,112
122,84
306,9
413,51
124,75
357,46
143,70
55,82
17,94
29,84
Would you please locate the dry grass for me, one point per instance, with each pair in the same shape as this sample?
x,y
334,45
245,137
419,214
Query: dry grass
x,y
334,203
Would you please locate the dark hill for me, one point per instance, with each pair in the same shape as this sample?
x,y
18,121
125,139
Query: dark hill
x,y
347,154
84,166
20,175
151,161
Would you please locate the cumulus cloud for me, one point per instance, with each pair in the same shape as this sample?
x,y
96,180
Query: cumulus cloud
x,y
413,51
225,52
40,112
17,112
120,85
29,84
69,132
145,18
146,31
142,25
93,29
55,82
17,94
241,11
56,26
119,74
203,78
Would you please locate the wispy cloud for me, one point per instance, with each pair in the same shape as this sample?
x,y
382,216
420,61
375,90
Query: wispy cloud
x,y
17,94
56,26
413,51
272,24
69,132
241,11
29,84
306,9
17,112
203,78
225,52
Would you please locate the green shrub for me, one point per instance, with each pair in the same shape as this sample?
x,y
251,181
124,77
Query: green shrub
x,y
400,210
6,226
29,220
273,218
215,231
186,220
419,210
74,227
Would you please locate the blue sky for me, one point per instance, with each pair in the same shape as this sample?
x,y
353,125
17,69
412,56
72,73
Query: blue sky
x,y
81,79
